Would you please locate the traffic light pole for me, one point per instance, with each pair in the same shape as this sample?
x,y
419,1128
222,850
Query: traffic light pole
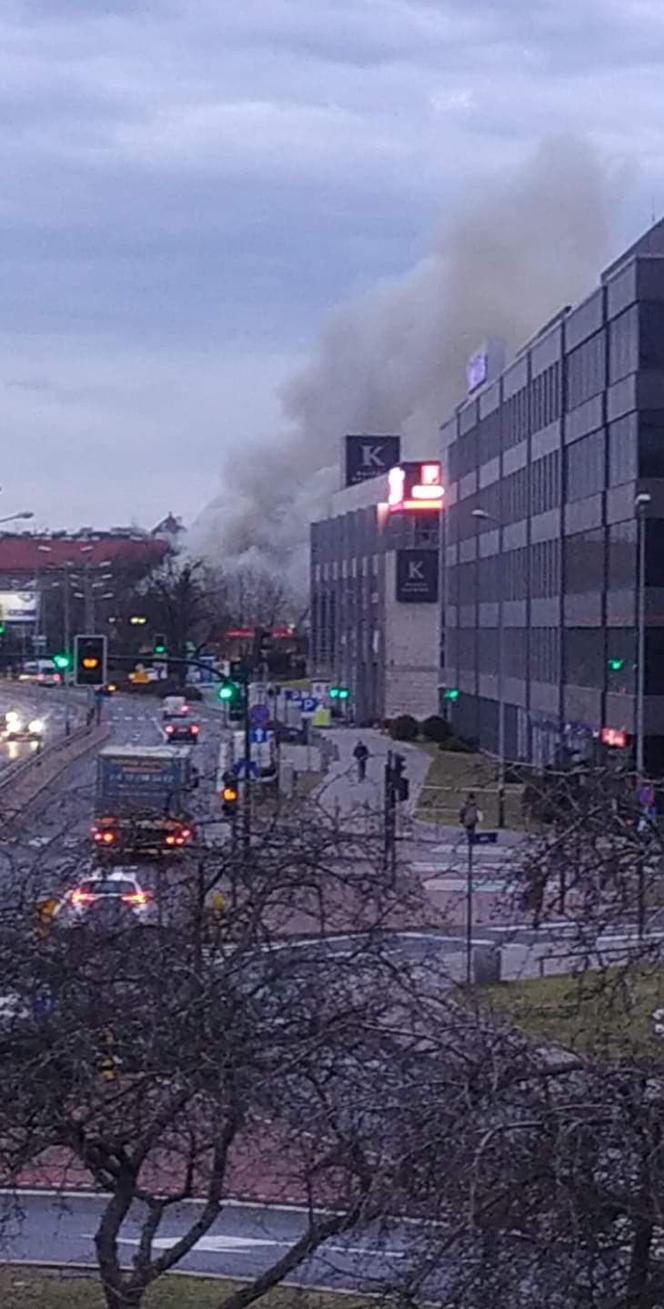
x,y
246,806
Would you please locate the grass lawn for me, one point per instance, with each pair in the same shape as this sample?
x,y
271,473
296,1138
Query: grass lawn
x,y
605,1012
25,1288
449,779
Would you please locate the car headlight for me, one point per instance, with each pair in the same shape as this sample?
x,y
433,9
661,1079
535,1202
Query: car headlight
x,y
12,718
36,726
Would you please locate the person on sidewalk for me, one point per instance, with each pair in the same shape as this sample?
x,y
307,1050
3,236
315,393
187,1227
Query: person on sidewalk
x,y
361,754
469,815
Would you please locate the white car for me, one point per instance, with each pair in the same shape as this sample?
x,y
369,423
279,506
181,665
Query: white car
x,y
117,890
14,727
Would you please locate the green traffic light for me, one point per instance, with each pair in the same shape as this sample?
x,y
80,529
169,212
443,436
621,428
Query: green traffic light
x,y
160,649
452,694
226,692
343,693
61,661
616,665
334,692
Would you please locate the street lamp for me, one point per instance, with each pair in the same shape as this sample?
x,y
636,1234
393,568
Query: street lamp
x,y
641,503
11,518
482,515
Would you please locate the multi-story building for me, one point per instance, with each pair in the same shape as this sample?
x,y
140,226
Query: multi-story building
x,y
553,469
375,624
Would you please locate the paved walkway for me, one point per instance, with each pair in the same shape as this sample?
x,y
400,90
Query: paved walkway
x,y
341,792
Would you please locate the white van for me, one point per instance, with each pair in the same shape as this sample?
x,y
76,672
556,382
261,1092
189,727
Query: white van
x,y
174,706
41,671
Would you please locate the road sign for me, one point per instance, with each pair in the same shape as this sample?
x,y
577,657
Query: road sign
x,y
309,704
241,768
259,715
258,735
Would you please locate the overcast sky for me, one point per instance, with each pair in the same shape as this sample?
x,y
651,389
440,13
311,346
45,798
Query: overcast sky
x,y
191,185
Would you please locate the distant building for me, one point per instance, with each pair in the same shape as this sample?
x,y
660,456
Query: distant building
x,y
543,467
374,592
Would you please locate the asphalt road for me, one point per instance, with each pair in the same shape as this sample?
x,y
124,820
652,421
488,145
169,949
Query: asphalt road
x,y
52,847
244,1241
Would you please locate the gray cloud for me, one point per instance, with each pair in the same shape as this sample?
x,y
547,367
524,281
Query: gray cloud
x,y
189,189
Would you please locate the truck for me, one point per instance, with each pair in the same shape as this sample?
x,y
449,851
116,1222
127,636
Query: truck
x,y
142,800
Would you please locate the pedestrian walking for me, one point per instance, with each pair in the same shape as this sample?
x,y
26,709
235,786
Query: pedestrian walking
x,y
469,814
361,754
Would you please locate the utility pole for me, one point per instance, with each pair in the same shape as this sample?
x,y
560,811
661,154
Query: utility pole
x,y
396,789
67,673
470,833
246,806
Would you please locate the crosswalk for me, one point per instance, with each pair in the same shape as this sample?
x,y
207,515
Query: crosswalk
x,y
448,862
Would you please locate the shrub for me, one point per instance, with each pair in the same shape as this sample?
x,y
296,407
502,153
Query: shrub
x,y
456,746
404,728
435,728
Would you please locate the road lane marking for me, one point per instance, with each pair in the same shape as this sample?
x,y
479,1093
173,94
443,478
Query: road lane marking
x,y
243,1245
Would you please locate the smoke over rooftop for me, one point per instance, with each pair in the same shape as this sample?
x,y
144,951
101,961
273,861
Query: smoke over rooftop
x,y
394,359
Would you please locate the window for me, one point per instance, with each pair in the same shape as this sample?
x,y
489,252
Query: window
x,y
515,496
651,334
544,660
515,645
584,656
586,370
490,576
545,483
654,544
622,555
466,456
515,418
466,637
623,450
624,345
651,443
545,568
584,562
514,575
585,466
489,437
545,397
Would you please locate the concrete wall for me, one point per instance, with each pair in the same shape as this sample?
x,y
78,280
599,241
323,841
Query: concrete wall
x,y
411,652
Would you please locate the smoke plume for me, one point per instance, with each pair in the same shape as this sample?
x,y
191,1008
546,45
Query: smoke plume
x,y
394,359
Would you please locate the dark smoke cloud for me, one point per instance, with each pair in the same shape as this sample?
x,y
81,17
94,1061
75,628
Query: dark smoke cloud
x,y
394,360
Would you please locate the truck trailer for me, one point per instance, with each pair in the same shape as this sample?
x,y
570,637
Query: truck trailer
x,y
142,800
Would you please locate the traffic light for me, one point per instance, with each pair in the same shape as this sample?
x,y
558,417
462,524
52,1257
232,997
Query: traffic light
x,y
339,693
62,662
400,784
159,647
229,691
89,660
616,665
2,629
229,794
451,693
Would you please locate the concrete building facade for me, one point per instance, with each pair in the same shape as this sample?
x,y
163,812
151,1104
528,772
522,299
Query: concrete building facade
x,y
543,468
375,617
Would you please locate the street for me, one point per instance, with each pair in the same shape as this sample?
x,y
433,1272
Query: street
x,y
244,1241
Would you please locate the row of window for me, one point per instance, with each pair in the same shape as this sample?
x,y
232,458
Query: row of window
x,y
580,656
634,340
604,557
528,410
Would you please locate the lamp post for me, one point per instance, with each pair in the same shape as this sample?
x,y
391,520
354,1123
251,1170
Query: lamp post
x,y
482,515
641,503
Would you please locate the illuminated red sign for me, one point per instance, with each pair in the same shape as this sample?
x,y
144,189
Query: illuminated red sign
x,y
614,736
415,486
239,633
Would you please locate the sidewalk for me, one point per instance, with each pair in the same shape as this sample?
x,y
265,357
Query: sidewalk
x,y
342,793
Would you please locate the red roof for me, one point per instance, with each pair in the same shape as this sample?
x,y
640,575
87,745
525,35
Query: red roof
x,y
21,554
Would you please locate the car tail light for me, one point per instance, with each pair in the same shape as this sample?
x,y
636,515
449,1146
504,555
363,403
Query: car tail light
x,y
170,840
81,897
135,897
179,840
195,729
108,837
185,833
169,729
98,836
57,677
